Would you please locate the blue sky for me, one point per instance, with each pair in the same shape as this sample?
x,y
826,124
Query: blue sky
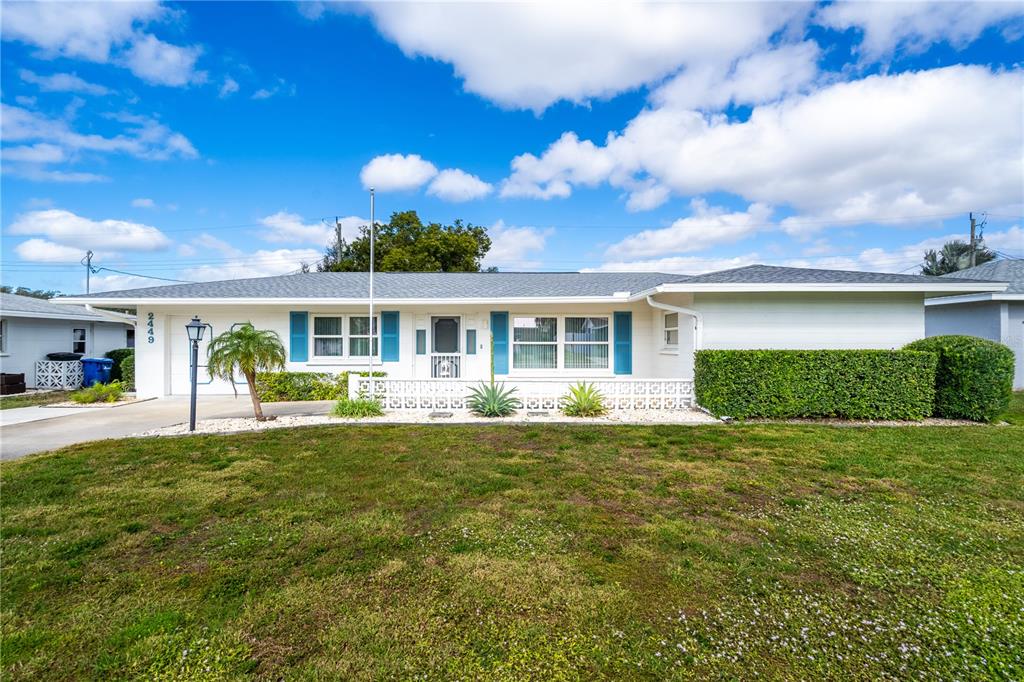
x,y
200,141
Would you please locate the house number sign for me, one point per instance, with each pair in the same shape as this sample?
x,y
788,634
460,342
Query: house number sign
x,y
150,328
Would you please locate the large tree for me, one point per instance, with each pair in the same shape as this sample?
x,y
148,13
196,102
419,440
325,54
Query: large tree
x,y
32,293
404,243
954,255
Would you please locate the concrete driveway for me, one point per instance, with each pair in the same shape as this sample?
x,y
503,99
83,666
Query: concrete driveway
x,y
27,430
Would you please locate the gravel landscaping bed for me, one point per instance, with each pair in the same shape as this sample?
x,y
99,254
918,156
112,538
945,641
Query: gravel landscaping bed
x,y
237,424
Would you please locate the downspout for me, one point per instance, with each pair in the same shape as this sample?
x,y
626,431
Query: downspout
x,y
698,328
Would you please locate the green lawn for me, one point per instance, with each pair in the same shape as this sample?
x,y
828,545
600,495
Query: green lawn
x,y
30,399
517,552
1015,415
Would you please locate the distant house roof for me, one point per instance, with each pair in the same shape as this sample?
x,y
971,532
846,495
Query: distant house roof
x,y
353,287
1007,270
12,305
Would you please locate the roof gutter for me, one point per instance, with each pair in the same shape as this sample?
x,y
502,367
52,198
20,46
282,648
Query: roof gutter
x,y
698,327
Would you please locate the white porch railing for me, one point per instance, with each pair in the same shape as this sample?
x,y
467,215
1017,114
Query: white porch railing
x,y
535,394
445,365
63,374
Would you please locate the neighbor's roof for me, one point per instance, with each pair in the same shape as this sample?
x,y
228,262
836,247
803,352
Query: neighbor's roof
x,y
352,287
12,305
1008,270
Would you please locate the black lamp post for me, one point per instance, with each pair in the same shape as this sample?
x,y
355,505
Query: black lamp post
x,y
195,330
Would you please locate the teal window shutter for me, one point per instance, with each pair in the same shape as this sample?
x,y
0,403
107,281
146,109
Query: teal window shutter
x,y
421,342
389,336
298,341
499,333
624,342
470,342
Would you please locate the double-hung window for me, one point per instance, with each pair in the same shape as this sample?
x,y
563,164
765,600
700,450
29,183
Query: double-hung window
x,y
563,342
586,343
344,336
671,333
78,341
534,342
359,336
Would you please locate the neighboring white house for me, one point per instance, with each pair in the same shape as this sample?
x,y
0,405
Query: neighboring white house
x,y
633,333
32,327
998,316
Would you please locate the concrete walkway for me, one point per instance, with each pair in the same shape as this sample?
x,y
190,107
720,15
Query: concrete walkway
x,y
27,430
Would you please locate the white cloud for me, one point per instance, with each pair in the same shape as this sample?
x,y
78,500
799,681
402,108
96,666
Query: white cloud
x,y
686,265
281,87
104,32
45,251
397,172
530,55
160,63
515,248
454,184
289,227
117,282
142,137
63,82
938,141
707,227
143,202
69,229
262,263
888,27
761,77
229,87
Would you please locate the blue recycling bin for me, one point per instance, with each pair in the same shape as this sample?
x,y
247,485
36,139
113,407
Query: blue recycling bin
x,y
96,370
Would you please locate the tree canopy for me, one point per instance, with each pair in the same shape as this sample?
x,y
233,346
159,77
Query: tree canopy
x,y
404,243
32,293
954,255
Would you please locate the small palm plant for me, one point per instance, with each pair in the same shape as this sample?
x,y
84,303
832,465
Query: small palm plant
x,y
492,400
250,350
583,400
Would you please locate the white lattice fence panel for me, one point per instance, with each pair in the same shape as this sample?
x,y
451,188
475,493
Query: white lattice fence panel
x,y
535,394
63,374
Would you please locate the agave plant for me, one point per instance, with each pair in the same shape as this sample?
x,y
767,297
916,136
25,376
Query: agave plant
x,y
250,350
492,400
584,400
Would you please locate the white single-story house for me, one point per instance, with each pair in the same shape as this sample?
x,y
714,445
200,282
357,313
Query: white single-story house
x,y
994,315
634,334
30,328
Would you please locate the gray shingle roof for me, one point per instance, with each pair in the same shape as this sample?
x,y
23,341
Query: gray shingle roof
x,y
771,274
411,285
12,303
1011,271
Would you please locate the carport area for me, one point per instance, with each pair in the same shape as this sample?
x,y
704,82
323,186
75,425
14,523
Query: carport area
x,y
27,430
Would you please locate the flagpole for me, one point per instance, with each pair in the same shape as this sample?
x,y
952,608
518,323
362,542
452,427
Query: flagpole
x,y
372,335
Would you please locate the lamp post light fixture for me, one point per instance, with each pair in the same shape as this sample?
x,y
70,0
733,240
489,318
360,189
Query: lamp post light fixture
x,y
195,330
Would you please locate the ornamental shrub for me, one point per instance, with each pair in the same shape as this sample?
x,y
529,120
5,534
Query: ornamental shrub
x,y
850,384
291,386
357,408
492,400
98,393
127,367
583,400
118,355
974,379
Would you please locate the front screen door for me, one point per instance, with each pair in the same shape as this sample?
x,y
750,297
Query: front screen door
x,y
446,335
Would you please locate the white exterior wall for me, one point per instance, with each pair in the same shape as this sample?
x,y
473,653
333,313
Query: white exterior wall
x,y
1014,337
810,320
1001,321
30,339
159,369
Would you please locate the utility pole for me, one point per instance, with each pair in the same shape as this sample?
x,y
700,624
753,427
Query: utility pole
x,y
973,242
87,262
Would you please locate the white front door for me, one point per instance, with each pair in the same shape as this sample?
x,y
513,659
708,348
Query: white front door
x,y
181,349
445,358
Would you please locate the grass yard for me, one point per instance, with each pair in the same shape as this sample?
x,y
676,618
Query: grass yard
x,y
30,399
517,552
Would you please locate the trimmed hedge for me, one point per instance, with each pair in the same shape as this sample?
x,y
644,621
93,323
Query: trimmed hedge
x,y
118,355
851,384
127,367
974,378
290,386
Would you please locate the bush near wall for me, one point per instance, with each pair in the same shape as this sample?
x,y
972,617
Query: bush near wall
x,y
118,355
127,367
291,386
974,379
850,384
